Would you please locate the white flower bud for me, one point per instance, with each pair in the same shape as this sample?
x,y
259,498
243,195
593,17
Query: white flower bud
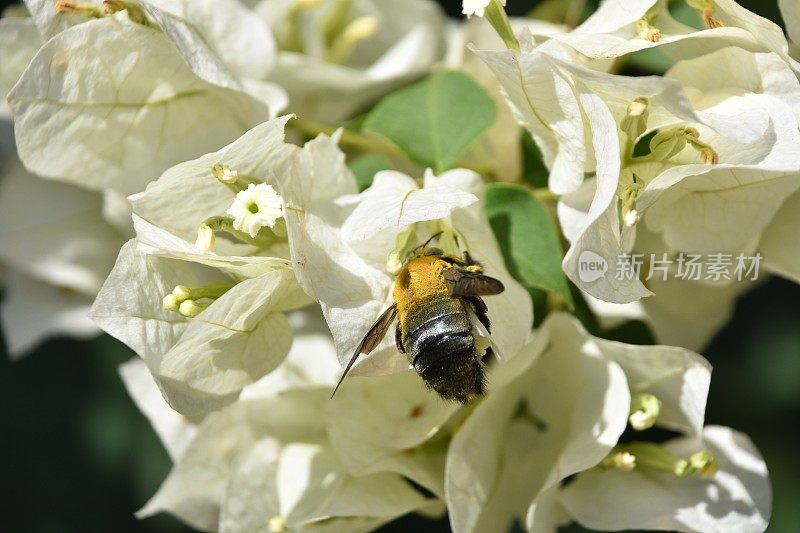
x,y
256,207
277,524
170,303
182,292
205,238
190,308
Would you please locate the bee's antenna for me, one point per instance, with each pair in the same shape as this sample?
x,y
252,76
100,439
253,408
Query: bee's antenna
x,y
426,243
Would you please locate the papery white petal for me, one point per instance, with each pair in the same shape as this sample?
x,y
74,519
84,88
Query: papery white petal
x,y
240,38
155,241
611,32
120,130
499,149
382,424
184,196
311,361
32,311
791,17
405,47
352,291
19,42
546,513
49,21
780,242
235,341
55,232
562,88
173,429
195,488
680,379
700,207
561,408
737,498
394,202
307,487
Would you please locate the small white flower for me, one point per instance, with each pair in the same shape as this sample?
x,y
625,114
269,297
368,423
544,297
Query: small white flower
x,y
477,7
256,207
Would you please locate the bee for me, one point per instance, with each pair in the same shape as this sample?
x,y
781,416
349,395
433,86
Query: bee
x,y
442,326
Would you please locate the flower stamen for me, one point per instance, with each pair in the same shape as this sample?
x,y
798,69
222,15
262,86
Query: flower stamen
x,y
360,29
653,457
645,29
191,301
644,411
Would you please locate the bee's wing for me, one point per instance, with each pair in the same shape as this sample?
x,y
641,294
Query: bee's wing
x,y
468,284
370,340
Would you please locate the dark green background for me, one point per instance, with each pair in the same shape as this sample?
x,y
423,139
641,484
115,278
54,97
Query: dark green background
x,y
79,457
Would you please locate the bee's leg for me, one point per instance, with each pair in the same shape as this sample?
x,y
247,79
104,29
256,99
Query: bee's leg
x,y
398,340
471,264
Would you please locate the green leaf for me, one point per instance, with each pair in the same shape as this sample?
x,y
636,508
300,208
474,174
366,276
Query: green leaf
x,y
365,168
651,60
435,121
528,238
534,172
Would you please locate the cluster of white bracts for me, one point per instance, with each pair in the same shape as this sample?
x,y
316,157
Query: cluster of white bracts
x,y
236,234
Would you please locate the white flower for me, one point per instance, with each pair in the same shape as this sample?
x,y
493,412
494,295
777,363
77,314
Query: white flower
x,y
341,254
336,57
737,498
205,334
477,7
256,207
556,409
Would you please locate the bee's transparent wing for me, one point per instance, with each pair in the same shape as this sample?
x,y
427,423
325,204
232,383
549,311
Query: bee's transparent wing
x,y
370,340
468,284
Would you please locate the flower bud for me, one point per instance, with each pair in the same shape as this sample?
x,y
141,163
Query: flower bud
x,y
182,292
277,524
170,303
205,238
190,308
225,174
635,122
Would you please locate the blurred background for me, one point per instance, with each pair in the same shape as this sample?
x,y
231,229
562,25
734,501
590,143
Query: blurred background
x,y
81,458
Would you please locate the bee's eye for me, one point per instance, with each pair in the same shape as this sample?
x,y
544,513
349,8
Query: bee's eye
x,y
434,251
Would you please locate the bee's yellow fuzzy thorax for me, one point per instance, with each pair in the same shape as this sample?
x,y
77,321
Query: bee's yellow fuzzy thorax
x,y
419,279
